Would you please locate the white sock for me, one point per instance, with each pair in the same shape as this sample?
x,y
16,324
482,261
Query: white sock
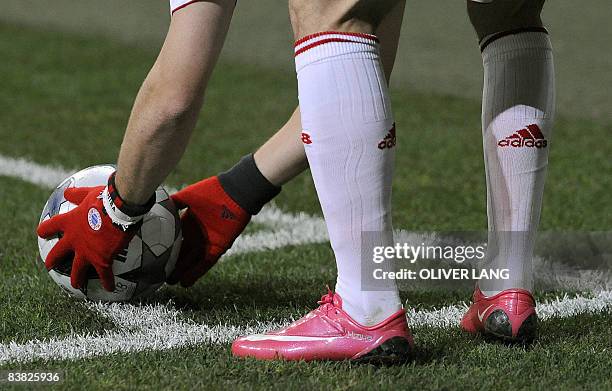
x,y
346,116
517,114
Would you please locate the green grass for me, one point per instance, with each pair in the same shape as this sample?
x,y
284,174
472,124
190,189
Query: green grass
x,y
65,101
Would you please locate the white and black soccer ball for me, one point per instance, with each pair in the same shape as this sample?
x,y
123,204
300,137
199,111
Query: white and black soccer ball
x,y
141,268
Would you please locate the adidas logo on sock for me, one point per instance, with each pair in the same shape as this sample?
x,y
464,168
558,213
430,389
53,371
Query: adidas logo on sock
x,y
389,140
528,137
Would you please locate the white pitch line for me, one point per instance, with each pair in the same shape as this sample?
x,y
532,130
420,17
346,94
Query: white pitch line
x,y
37,174
302,230
160,327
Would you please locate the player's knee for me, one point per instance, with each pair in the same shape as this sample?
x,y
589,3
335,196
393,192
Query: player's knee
x,y
504,15
310,16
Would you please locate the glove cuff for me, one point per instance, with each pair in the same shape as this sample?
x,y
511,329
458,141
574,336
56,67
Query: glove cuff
x,y
247,186
119,212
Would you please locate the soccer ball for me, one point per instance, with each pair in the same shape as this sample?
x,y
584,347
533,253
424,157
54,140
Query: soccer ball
x,y
143,266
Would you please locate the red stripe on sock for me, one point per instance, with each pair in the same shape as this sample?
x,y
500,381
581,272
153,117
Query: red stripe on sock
x,y
322,42
315,35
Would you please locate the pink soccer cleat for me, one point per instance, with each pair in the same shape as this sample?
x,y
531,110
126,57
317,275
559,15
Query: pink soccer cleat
x,y
510,315
329,333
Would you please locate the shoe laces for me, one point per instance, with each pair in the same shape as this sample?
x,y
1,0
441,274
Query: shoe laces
x,y
326,304
327,298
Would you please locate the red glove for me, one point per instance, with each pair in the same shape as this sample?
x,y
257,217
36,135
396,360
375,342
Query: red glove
x,y
88,234
211,223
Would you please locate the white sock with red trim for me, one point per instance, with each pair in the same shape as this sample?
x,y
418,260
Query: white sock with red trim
x,y
349,139
517,115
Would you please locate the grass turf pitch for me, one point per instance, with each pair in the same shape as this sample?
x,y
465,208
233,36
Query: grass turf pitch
x,y
65,101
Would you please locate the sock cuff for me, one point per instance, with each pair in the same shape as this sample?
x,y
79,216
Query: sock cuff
x,y
517,43
330,44
247,186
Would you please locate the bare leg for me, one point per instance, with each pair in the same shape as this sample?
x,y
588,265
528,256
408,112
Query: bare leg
x,y
282,157
167,106
500,16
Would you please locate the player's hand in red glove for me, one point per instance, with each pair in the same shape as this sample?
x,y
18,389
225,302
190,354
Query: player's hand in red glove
x,y
93,233
217,211
210,224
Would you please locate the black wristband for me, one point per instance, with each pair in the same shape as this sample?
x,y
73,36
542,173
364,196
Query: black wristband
x,y
129,210
246,185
